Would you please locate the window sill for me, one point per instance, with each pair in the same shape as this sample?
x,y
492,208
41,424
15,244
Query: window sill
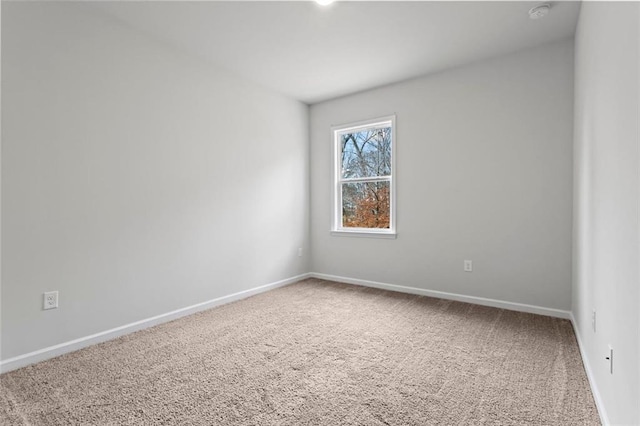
x,y
389,235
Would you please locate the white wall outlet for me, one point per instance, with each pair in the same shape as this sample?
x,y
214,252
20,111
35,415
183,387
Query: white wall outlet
x,y
468,266
50,300
593,320
609,359
300,252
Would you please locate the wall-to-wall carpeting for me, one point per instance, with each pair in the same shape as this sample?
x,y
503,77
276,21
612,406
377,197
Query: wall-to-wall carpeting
x,y
317,353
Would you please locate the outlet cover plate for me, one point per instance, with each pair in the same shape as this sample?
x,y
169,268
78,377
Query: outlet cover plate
x,y
50,300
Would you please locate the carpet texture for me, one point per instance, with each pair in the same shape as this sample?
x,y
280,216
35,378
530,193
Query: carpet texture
x,y
317,353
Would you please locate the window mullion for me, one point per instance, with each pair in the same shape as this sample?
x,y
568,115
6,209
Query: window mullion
x,y
366,179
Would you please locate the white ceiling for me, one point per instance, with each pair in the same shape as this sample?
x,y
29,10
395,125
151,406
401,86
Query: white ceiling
x,y
313,53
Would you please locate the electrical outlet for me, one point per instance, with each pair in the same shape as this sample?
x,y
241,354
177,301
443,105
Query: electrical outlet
x,y
50,300
468,266
609,358
300,252
593,320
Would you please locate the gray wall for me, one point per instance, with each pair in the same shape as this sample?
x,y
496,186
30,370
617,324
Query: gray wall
x,y
484,172
607,189
135,180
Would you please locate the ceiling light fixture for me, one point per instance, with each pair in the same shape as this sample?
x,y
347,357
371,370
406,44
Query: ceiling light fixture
x,y
539,11
324,2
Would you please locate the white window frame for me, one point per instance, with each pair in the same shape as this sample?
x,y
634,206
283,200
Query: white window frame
x,y
336,227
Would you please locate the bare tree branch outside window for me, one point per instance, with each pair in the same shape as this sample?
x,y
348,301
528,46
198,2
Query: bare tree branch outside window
x,y
366,154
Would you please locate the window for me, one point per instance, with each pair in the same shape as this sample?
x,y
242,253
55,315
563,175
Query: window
x,y
364,186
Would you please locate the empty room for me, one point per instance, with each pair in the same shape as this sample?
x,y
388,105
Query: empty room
x,y
320,213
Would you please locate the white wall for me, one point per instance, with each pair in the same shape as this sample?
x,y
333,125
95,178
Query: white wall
x,y
607,188
0,182
135,180
484,171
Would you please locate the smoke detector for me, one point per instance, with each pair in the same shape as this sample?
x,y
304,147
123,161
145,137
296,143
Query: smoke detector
x,y
539,11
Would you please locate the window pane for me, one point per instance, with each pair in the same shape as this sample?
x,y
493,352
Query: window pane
x,y
365,205
366,153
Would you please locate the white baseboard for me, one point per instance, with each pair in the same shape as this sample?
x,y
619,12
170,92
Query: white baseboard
x,y
512,306
496,304
604,419
73,345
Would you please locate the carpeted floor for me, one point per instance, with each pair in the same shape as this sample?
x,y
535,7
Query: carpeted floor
x,y
317,353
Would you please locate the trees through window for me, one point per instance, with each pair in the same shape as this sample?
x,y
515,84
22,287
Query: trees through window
x,y
364,176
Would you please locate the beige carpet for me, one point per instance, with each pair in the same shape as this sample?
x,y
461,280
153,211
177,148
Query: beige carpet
x,y
317,353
